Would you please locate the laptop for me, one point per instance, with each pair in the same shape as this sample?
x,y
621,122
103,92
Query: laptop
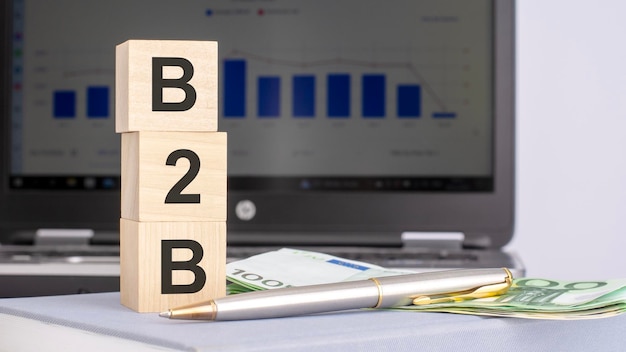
x,y
377,131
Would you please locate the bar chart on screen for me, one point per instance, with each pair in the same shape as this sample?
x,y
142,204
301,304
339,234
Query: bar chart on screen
x,y
305,87
72,86
342,87
69,92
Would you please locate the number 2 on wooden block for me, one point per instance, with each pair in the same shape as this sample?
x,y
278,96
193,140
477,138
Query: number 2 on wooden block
x,y
175,194
162,179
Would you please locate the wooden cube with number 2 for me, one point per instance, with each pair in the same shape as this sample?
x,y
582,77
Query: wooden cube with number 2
x,y
174,176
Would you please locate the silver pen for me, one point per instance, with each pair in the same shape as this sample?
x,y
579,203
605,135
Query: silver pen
x,y
382,292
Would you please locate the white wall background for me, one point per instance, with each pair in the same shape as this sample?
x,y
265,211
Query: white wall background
x,y
571,138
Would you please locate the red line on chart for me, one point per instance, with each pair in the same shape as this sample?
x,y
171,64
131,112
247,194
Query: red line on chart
x,y
351,62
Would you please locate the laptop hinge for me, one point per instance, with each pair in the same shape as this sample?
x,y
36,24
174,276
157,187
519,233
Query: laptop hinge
x,y
56,237
434,240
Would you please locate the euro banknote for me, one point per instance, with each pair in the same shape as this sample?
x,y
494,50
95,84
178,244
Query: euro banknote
x,y
542,299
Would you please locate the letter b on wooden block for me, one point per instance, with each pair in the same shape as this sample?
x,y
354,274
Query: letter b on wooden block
x,y
163,85
171,264
174,176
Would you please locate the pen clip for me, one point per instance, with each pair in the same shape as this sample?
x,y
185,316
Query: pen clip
x,y
488,290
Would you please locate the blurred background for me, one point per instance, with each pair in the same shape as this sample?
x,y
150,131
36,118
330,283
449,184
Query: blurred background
x,y
571,118
571,142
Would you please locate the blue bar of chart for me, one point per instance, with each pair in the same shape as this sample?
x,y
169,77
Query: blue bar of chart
x,y
373,96
64,104
97,102
338,95
268,96
444,115
303,101
234,88
409,101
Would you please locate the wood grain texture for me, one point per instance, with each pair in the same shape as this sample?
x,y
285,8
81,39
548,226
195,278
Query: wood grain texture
x,y
141,263
134,85
147,180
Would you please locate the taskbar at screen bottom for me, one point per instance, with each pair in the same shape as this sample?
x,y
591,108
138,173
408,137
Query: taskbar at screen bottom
x,y
248,183
65,182
363,184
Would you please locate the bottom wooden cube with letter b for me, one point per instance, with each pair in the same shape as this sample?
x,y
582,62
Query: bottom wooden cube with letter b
x,y
169,264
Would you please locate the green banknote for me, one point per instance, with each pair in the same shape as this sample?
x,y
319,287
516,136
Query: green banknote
x,y
543,299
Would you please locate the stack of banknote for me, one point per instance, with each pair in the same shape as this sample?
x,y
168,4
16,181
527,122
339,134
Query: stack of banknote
x,y
543,299
527,298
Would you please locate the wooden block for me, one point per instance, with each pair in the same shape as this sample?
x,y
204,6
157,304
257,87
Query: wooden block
x,y
196,249
166,85
174,176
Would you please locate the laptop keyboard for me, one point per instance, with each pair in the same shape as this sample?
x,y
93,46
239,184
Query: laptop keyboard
x,y
386,257
67,254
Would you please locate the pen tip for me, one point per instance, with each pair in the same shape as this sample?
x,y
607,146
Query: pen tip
x,y
166,314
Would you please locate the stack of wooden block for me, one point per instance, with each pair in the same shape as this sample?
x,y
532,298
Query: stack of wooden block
x,y
173,205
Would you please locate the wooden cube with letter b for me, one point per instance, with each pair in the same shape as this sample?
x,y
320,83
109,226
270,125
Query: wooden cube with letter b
x,y
171,264
166,85
173,205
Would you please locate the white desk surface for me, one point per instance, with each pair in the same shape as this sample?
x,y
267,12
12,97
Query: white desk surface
x,y
98,316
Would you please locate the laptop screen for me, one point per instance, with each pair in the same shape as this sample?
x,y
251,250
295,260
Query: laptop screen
x,y
330,107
